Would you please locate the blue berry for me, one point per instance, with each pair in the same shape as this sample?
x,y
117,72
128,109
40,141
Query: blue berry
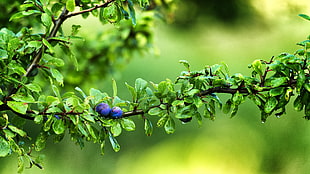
x,y
116,112
103,109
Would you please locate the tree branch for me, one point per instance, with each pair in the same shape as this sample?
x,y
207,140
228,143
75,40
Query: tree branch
x,y
106,4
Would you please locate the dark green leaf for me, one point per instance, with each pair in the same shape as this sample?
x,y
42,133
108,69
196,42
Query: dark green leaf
x,y
270,104
227,106
304,16
298,105
276,91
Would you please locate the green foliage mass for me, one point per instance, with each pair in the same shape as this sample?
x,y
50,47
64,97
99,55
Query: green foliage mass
x,y
26,55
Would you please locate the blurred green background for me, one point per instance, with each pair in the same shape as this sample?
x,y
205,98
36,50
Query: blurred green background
x,y
239,145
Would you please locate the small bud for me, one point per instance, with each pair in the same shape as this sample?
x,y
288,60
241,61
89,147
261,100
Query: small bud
x,y
116,112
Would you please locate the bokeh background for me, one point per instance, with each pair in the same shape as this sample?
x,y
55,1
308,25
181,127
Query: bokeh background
x,y
204,32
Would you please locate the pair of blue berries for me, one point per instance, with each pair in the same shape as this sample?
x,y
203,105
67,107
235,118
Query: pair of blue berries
x,y
105,110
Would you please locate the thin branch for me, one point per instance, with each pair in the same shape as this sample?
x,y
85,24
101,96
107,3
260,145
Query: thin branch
x,y
106,4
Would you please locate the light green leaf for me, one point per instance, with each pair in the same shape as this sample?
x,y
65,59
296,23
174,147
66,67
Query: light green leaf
x,y
70,5
116,147
33,87
154,111
19,107
22,98
116,129
257,66
114,88
57,75
48,45
132,91
140,85
278,81
4,147
17,130
46,20
170,126
128,124
41,141
59,126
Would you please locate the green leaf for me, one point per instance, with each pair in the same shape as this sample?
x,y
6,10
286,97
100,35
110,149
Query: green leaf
x,y
5,148
22,98
116,147
132,12
46,20
33,87
140,85
278,81
48,45
170,126
97,94
70,5
257,66
186,64
227,106
132,91
116,129
17,130
81,92
148,127
59,126
47,125
161,122
128,124
276,91
57,75
270,104
24,13
304,16
41,141
19,107
155,111
298,105
91,131
114,88
50,60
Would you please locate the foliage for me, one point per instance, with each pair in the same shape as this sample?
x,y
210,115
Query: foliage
x,y
26,55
